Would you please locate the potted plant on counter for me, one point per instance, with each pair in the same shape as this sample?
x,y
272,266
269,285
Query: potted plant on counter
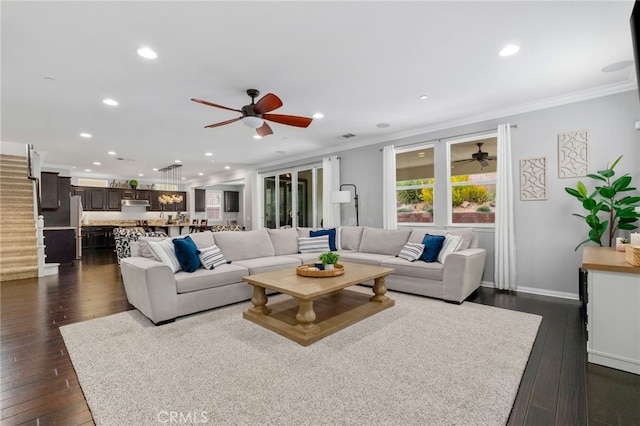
x,y
619,210
133,183
329,259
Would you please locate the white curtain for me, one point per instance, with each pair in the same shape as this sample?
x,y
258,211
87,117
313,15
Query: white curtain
x,y
330,182
505,244
389,215
257,208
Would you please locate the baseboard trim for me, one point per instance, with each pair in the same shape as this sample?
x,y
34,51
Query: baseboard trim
x,y
538,291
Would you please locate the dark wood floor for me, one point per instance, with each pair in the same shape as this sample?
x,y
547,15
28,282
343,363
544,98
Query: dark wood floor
x,y
38,385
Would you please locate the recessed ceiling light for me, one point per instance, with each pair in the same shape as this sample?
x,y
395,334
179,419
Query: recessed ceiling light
x,y
423,97
200,174
110,102
257,137
509,50
111,153
318,115
617,66
147,53
227,167
87,170
86,135
383,125
184,178
208,154
176,161
140,174
97,163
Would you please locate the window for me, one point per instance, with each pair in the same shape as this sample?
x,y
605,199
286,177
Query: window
x,y
472,183
214,205
415,184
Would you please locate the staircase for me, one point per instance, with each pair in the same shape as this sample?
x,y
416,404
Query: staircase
x,y
18,245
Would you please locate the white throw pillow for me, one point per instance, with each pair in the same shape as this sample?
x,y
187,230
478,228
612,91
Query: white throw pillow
x,y
451,244
164,252
313,244
212,257
411,251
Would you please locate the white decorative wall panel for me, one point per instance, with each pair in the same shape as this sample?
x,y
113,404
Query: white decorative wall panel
x,y
533,179
573,154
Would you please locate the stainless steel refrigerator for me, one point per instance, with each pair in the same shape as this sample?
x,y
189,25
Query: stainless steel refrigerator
x,y
76,222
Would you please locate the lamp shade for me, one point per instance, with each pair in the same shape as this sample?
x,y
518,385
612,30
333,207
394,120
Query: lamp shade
x,y
253,122
341,196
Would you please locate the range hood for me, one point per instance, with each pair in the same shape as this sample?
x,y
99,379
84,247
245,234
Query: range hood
x,y
135,203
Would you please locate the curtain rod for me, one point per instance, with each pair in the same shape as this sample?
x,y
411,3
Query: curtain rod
x,y
479,132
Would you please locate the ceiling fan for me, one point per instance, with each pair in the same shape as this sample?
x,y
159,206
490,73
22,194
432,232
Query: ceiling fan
x,y
480,156
255,114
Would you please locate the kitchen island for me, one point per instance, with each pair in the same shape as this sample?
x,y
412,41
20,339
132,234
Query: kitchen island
x,y
613,309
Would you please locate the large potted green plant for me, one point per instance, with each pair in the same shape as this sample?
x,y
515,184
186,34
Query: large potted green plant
x,y
607,198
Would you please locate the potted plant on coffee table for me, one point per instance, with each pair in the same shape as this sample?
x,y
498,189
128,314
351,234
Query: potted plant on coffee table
x,y
329,259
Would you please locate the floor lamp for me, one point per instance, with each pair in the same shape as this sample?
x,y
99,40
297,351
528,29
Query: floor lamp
x,y
345,197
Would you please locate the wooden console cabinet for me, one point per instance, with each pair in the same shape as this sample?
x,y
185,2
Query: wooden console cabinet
x,y
613,309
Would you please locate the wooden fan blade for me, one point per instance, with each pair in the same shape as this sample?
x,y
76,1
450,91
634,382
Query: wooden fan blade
x,y
492,157
264,130
200,101
290,120
462,161
222,123
267,103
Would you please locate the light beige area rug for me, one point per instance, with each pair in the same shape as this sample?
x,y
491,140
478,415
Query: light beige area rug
x,y
421,362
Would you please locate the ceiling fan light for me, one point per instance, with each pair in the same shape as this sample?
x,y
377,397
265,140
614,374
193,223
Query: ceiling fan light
x,y
253,122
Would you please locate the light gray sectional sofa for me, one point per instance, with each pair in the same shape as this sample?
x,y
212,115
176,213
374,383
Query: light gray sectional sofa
x,y
163,295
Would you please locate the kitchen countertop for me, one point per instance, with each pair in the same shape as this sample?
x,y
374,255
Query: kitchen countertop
x,y
133,223
57,228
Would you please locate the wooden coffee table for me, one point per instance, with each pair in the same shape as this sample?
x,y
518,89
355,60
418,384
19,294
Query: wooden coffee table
x,y
320,306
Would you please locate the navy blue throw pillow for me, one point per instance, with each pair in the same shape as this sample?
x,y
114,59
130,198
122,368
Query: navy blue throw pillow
x,y
187,253
432,247
330,232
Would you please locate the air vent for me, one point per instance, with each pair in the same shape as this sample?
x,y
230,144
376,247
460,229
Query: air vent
x,y
124,159
347,136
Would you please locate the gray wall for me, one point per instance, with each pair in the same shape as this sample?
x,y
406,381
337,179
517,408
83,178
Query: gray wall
x,y
546,233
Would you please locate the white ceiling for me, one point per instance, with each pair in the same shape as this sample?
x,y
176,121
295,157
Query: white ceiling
x,y
359,63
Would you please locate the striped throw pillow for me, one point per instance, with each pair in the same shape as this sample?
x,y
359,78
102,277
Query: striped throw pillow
x,y
411,251
165,253
313,244
212,257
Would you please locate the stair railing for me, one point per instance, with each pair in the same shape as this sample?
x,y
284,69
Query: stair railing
x,y
34,179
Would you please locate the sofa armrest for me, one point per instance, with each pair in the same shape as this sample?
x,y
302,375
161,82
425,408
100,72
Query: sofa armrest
x,y
462,273
150,287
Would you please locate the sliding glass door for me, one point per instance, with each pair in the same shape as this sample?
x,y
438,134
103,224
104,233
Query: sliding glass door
x,y
285,207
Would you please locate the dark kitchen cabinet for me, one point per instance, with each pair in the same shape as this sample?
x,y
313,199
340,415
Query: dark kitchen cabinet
x,y
96,199
60,245
82,193
136,194
114,196
98,237
49,192
231,201
200,200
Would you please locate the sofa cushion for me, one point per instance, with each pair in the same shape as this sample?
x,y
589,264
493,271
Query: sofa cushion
x,y
313,244
266,264
365,258
383,241
430,271
210,257
284,241
350,237
304,232
411,251
330,232
203,278
432,247
187,253
202,239
244,245
165,253
451,244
